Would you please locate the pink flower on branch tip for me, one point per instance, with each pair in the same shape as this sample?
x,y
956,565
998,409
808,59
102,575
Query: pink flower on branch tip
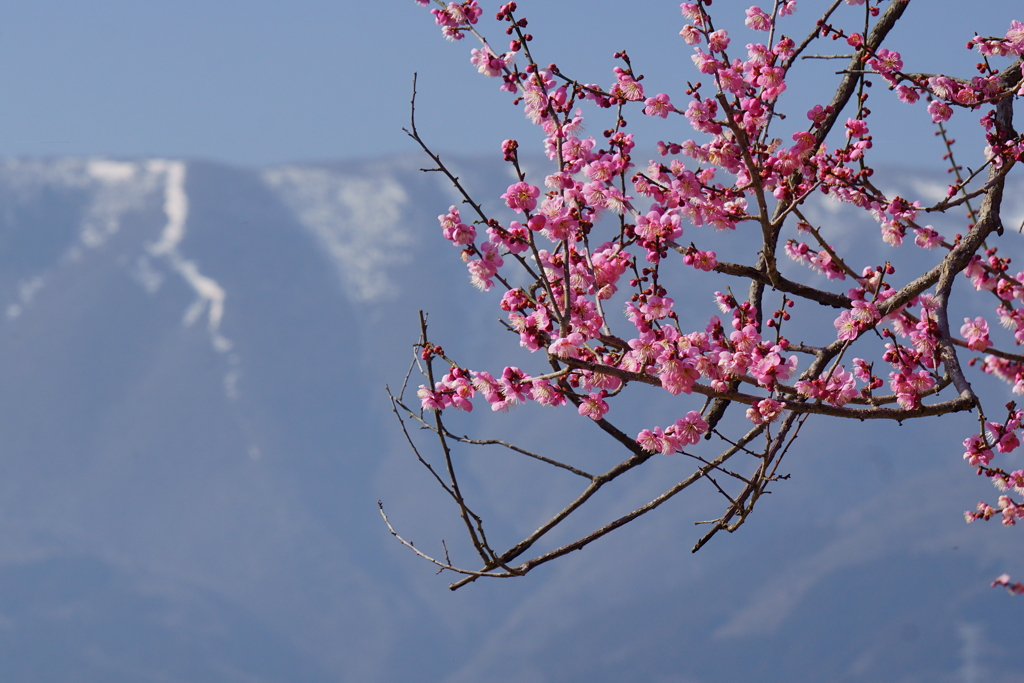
x,y
718,41
757,20
626,87
691,11
1014,588
856,128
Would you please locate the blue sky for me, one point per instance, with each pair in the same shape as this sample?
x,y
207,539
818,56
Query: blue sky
x,y
260,83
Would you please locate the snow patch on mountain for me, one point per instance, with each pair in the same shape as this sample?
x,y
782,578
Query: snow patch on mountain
x,y
356,221
116,189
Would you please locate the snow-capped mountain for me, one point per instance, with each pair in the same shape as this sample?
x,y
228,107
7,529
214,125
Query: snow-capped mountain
x,y
194,434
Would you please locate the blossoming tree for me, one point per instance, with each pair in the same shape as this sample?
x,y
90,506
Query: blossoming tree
x,y
599,242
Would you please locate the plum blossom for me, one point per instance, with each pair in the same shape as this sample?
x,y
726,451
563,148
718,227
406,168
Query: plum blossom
x,y
976,333
690,428
594,406
765,410
521,197
658,105
940,111
691,34
856,128
454,230
848,326
490,64
482,270
701,260
626,86
757,20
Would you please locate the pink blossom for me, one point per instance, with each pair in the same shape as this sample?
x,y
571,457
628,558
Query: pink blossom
x,y
488,63
691,11
544,393
691,34
651,441
701,260
594,406
678,376
940,111
757,20
907,94
482,270
455,230
657,307
975,451
626,86
690,428
765,410
566,347
1015,37
658,106
927,238
718,41
848,327
521,197
856,128
702,114
430,400
976,333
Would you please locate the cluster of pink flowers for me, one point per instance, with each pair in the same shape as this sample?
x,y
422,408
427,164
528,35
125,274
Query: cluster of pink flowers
x,y
459,386
734,174
1011,44
455,18
686,431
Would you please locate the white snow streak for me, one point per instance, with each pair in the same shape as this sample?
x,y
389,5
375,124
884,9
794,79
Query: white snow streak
x,y
117,189
211,294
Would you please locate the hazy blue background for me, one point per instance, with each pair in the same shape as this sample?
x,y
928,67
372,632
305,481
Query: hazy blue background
x,y
193,437
270,82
